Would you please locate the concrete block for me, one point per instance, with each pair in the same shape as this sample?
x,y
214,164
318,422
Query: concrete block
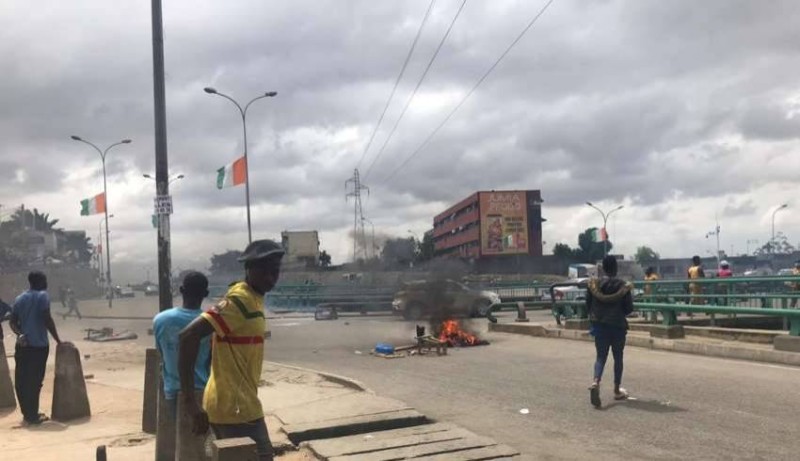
x,y
152,372
7,398
70,399
787,343
166,436
669,332
189,447
240,449
577,324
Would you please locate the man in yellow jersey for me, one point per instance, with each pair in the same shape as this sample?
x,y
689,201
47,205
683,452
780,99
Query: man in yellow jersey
x,y
650,275
230,402
696,272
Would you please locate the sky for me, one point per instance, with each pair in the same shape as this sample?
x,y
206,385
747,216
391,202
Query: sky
x,y
684,112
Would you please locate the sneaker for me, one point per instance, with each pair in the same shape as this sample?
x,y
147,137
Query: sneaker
x,y
594,395
621,395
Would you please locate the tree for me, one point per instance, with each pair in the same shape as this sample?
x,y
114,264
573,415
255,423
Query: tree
x,y
324,259
25,218
563,251
400,251
226,263
425,248
590,250
779,246
645,255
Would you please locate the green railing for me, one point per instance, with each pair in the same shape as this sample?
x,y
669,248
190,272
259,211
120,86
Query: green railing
x,y
763,296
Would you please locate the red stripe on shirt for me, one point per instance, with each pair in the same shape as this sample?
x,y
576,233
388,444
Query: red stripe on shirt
x,y
242,339
220,321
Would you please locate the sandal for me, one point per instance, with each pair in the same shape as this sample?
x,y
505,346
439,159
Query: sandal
x,y
621,395
594,395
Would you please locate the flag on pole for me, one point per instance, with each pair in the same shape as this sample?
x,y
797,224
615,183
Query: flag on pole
x,y
232,174
94,205
599,235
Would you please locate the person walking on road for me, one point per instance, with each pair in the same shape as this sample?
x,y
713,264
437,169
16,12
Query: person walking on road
x,y
167,326
609,302
230,403
31,321
72,302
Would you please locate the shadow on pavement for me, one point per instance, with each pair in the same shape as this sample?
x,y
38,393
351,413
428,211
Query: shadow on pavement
x,y
652,406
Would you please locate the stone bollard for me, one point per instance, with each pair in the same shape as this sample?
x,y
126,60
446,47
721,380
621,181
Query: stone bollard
x,y
70,399
240,449
152,371
7,399
165,434
522,313
189,447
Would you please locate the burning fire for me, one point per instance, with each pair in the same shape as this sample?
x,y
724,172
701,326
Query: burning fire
x,y
455,336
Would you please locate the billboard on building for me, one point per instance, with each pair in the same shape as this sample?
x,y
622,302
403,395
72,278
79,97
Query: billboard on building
x,y
504,223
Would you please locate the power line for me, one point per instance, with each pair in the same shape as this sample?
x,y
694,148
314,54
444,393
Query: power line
x,y
397,82
419,83
475,87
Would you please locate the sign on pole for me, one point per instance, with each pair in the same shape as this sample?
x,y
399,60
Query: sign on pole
x,y
162,205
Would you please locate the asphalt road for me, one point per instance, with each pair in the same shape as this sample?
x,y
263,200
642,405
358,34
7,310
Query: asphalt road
x,y
685,407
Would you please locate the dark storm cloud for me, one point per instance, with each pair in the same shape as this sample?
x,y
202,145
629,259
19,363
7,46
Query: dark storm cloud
x,y
615,100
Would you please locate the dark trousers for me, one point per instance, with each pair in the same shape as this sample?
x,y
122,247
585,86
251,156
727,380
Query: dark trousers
x,y
605,338
28,378
256,430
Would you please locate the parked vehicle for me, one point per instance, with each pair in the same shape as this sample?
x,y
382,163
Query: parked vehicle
x,y
151,290
125,292
420,299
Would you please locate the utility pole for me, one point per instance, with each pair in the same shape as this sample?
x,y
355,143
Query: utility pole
x,y
358,211
162,161
716,233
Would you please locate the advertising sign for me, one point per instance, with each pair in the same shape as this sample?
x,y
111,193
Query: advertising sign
x,y
504,223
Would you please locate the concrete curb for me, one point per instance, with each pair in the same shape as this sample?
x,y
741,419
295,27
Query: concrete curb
x,y
728,351
336,379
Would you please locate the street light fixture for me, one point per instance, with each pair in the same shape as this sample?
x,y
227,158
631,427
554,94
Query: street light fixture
x,y
180,176
772,242
605,221
103,154
243,113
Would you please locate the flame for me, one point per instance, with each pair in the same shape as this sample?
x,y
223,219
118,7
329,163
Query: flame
x,y
452,333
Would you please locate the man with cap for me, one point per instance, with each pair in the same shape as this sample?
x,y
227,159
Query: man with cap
x,y
237,326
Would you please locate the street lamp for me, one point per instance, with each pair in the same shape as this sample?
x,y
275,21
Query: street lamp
x,y
103,154
180,176
605,221
772,242
243,112
100,239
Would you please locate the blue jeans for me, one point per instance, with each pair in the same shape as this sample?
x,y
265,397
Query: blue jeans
x,y
608,337
256,430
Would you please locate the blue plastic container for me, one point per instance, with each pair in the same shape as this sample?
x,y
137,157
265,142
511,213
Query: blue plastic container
x,y
384,348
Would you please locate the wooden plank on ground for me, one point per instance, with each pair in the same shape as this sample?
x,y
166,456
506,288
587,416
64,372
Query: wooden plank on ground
x,y
336,447
386,435
496,452
416,451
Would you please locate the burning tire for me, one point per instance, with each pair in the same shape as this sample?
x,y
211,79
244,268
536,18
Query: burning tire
x,y
414,311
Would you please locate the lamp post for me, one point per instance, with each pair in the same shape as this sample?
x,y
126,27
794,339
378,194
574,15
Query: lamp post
x,y
103,154
100,239
243,112
772,242
605,221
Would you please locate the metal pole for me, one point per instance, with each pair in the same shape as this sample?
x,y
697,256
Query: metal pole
x,y
108,238
247,177
162,161
605,240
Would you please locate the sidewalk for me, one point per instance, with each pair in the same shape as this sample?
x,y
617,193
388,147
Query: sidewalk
x,y
310,416
691,344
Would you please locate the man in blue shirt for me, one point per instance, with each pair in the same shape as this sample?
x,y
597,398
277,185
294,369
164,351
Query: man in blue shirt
x,y
31,321
166,327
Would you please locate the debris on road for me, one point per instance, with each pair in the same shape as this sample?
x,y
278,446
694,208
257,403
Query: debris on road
x,y
106,334
524,411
